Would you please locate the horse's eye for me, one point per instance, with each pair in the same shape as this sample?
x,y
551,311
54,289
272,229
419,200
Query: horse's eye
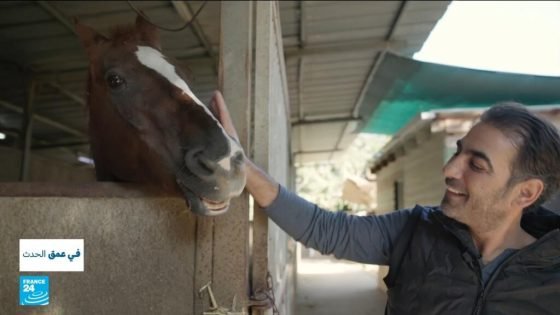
x,y
115,81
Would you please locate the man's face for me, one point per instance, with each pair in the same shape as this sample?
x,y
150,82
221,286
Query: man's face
x,y
476,178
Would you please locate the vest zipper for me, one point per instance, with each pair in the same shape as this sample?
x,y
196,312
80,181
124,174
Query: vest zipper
x,y
479,302
481,296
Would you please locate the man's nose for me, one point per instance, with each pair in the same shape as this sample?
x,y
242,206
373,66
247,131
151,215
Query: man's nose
x,y
453,168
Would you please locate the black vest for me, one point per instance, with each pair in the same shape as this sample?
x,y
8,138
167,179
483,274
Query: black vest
x,y
439,272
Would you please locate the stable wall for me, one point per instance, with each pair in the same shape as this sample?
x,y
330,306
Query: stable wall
x,y
139,248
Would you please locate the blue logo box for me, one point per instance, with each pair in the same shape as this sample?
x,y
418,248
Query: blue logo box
x,y
33,290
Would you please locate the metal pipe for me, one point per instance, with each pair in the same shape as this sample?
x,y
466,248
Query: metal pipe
x,y
325,121
27,131
44,120
59,16
395,21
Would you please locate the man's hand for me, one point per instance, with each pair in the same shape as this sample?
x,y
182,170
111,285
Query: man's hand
x,y
260,185
218,105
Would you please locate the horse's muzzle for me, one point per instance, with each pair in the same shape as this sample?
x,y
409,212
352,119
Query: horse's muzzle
x,y
209,184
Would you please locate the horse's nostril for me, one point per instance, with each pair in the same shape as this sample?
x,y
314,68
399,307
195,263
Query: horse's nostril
x,y
206,165
199,164
238,158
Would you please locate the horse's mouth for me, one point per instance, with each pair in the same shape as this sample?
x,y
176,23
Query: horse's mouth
x,y
214,205
196,202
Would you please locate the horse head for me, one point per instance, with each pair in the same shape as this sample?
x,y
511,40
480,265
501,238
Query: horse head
x,y
146,125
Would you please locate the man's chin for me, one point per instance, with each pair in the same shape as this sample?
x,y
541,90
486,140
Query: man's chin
x,y
448,209
454,212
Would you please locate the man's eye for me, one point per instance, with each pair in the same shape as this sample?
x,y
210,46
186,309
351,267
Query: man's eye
x,y
476,167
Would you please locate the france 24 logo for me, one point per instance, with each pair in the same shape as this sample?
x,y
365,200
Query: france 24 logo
x,y
33,290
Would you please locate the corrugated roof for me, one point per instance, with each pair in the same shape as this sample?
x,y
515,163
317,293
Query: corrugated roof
x,y
331,55
331,48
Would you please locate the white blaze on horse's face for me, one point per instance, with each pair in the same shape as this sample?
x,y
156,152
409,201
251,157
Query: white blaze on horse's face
x,y
154,60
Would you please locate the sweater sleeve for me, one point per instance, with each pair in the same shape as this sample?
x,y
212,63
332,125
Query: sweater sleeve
x,y
365,239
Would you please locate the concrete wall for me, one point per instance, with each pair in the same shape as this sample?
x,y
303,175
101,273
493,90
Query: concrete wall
x,y
274,251
139,249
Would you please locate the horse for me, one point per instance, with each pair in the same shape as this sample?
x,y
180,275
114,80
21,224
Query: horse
x,y
147,126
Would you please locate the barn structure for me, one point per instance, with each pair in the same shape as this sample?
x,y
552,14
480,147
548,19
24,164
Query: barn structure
x,y
296,76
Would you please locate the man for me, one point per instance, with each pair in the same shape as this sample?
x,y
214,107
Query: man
x,y
488,249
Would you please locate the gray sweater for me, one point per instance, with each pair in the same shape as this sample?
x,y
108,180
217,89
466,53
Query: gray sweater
x,y
365,239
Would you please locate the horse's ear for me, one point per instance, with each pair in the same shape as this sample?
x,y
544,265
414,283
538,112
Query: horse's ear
x,y
149,33
88,36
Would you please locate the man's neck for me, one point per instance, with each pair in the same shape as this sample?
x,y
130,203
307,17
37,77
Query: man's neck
x,y
508,235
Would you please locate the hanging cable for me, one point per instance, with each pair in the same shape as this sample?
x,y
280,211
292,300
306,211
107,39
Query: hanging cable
x,y
166,28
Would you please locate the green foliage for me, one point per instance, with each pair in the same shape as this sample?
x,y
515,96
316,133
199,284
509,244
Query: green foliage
x,y
321,182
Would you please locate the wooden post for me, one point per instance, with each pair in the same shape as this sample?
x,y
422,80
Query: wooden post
x,y
27,132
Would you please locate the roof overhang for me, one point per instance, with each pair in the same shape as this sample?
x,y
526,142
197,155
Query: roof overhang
x,y
403,88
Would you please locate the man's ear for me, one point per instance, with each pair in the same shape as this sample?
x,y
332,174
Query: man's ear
x,y
529,191
88,37
148,32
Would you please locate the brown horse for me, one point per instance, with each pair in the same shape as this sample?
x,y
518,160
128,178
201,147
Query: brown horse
x,y
147,126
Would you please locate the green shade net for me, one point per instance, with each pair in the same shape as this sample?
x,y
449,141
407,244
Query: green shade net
x,y
402,88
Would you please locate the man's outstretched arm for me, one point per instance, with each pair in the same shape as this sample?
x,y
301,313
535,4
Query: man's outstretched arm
x,y
364,239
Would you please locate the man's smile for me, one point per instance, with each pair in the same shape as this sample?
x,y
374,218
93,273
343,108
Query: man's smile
x,y
456,192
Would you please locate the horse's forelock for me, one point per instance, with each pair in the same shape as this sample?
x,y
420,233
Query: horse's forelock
x,y
130,33
122,33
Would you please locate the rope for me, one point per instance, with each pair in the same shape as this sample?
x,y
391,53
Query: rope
x,y
271,295
260,303
166,28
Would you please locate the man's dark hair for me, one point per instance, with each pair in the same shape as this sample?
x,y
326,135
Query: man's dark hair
x,y
538,145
